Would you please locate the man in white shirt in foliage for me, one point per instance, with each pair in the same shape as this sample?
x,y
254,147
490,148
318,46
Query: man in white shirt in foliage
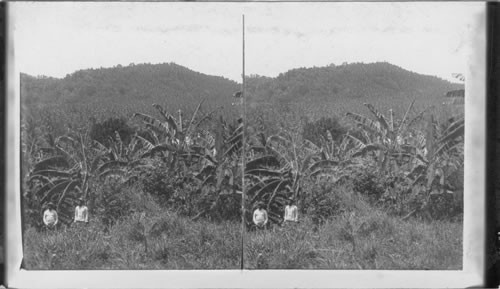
x,y
260,216
81,213
50,217
291,213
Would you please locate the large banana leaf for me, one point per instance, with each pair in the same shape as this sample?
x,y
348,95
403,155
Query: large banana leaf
x,y
51,174
264,172
455,130
416,172
264,161
191,122
146,143
380,117
365,122
159,148
323,164
112,165
51,163
402,124
262,189
369,148
168,118
279,187
153,122
53,193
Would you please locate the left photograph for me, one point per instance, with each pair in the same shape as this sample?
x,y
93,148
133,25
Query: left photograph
x,y
131,133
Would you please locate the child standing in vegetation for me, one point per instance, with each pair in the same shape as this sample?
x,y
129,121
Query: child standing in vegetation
x,y
81,213
291,212
50,217
260,216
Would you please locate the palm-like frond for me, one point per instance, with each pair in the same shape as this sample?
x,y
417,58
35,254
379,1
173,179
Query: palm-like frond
x,y
365,122
151,121
264,161
323,164
451,138
51,174
403,121
416,172
189,128
380,117
356,140
56,189
416,118
282,140
274,194
158,149
51,163
368,148
167,117
453,131
112,165
146,143
66,140
262,189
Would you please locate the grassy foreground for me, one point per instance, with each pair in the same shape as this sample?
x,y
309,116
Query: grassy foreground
x,y
361,238
155,240
376,242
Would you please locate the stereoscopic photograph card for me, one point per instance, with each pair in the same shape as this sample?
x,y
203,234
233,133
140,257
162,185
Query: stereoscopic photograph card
x,y
245,144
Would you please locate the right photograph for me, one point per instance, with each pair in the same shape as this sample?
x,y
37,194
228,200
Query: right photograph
x,y
354,135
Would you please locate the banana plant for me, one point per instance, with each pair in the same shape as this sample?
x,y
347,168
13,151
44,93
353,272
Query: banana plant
x,y
171,131
120,161
219,177
443,153
63,176
385,138
280,165
174,139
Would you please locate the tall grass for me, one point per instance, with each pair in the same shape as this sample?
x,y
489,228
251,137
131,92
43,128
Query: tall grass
x,y
361,238
358,237
158,240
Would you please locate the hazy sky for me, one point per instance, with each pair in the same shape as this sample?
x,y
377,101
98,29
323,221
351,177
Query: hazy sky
x,y
55,39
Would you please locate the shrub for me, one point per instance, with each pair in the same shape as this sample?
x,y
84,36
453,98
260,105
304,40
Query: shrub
x,y
445,206
105,132
159,182
323,202
227,207
316,130
113,203
368,184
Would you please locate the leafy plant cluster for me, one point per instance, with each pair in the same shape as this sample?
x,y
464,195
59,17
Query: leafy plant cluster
x,y
196,164
104,132
322,129
323,202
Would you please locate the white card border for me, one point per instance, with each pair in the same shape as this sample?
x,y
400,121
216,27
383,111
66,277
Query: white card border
x,y
474,218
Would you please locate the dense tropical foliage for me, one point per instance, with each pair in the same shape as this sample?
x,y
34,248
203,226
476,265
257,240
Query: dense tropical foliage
x,y
199,159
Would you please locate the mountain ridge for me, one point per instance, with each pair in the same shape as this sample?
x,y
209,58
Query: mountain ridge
x,y
172,83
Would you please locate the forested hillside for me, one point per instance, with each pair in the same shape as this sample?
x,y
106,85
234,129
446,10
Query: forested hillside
x,y
375,82
310,92
124,85
344,87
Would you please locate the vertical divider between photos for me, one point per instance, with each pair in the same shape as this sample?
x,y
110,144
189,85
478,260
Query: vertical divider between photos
x,y
243,154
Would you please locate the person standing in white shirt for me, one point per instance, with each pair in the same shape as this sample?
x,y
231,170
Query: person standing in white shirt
x,y
291,212
260,216
50,217
81,213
